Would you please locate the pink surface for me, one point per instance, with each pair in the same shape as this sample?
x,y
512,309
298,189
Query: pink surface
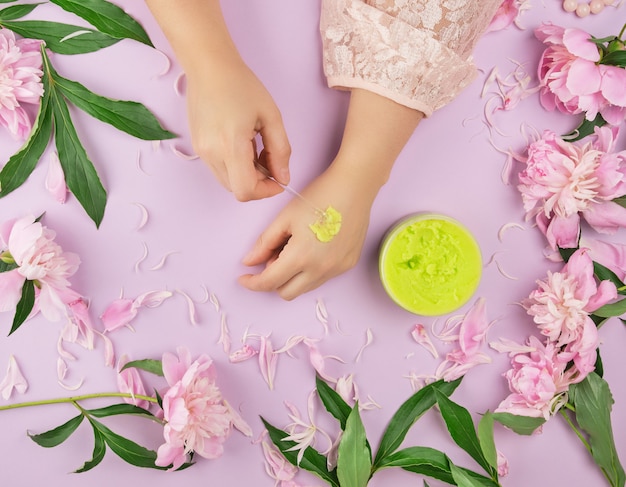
x,y
449,166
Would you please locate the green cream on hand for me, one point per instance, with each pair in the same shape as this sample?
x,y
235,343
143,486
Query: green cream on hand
x,y
430,265
327,225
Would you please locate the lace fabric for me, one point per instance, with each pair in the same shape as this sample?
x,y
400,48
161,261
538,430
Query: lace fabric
x,y
415,52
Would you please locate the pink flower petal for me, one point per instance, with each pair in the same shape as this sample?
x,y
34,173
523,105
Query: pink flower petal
x,y
614,85
578,42
129,381
13,380
606,218
420,335
119,313
583,78
55,179
238,422
244,353
151,299
267,361
11,284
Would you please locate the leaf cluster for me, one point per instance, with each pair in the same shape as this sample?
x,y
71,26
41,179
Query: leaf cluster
x,y
590,402
111,24
356,464
126,449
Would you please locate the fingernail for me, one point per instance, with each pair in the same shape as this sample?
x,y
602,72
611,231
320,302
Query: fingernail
x,y
284,175
248,257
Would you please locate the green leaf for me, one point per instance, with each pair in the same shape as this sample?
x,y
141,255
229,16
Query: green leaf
x,y
57,36
312,460
17,11
354,460
461,427
461,477
24,305
598,366
158,398
566,253
333,402
117,409
522,425
7,1
99,449
128,116
585,128
432,463
593,402
486,439
107,18
21,164
605,274
127,450
57,435
612,309
421,460
149,365
6,266
620,201
407,414
80,175
615,58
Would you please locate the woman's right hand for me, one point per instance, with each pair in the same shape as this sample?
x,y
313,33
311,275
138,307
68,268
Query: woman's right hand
x,y
227,108
227,104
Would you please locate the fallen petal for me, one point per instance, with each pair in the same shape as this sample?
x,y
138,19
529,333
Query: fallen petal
x,y
13,380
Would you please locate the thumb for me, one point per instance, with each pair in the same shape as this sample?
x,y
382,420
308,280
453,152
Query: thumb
x,y
276,148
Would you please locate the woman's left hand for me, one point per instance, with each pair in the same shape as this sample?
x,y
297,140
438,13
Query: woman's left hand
x,y
295,260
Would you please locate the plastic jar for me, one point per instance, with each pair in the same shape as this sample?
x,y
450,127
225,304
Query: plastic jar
x,y
430,264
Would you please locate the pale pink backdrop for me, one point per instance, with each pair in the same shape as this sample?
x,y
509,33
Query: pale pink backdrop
x,y
450,166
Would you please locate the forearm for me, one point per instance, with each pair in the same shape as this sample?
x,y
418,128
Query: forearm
x,y
197,33
376,131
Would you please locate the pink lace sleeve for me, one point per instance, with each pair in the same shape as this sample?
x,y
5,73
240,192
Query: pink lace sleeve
x,y
416,52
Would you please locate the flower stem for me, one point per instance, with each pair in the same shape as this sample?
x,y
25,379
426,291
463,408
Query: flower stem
x,y
621,32
75,399
575,429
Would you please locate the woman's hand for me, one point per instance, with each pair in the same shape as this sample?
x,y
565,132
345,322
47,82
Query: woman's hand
x,y
226,112
295,260
227,104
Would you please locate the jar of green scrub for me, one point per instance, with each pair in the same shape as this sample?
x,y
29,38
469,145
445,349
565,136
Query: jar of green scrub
x,y
430,264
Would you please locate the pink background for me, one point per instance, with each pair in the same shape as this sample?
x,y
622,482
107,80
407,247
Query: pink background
x,y
449,166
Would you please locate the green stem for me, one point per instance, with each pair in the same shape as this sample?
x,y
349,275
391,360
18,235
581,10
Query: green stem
x,y
621,32
575,429
75,399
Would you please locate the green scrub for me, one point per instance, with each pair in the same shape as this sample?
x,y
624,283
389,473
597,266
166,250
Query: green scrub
x,y
430,265
327,225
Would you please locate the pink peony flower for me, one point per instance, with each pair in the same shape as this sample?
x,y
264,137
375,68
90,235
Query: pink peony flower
x,y
31,246
564,180
572,79
561,306
20,81
536,381
198,419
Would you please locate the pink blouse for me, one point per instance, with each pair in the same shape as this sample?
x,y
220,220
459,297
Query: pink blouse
x,y
415,52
